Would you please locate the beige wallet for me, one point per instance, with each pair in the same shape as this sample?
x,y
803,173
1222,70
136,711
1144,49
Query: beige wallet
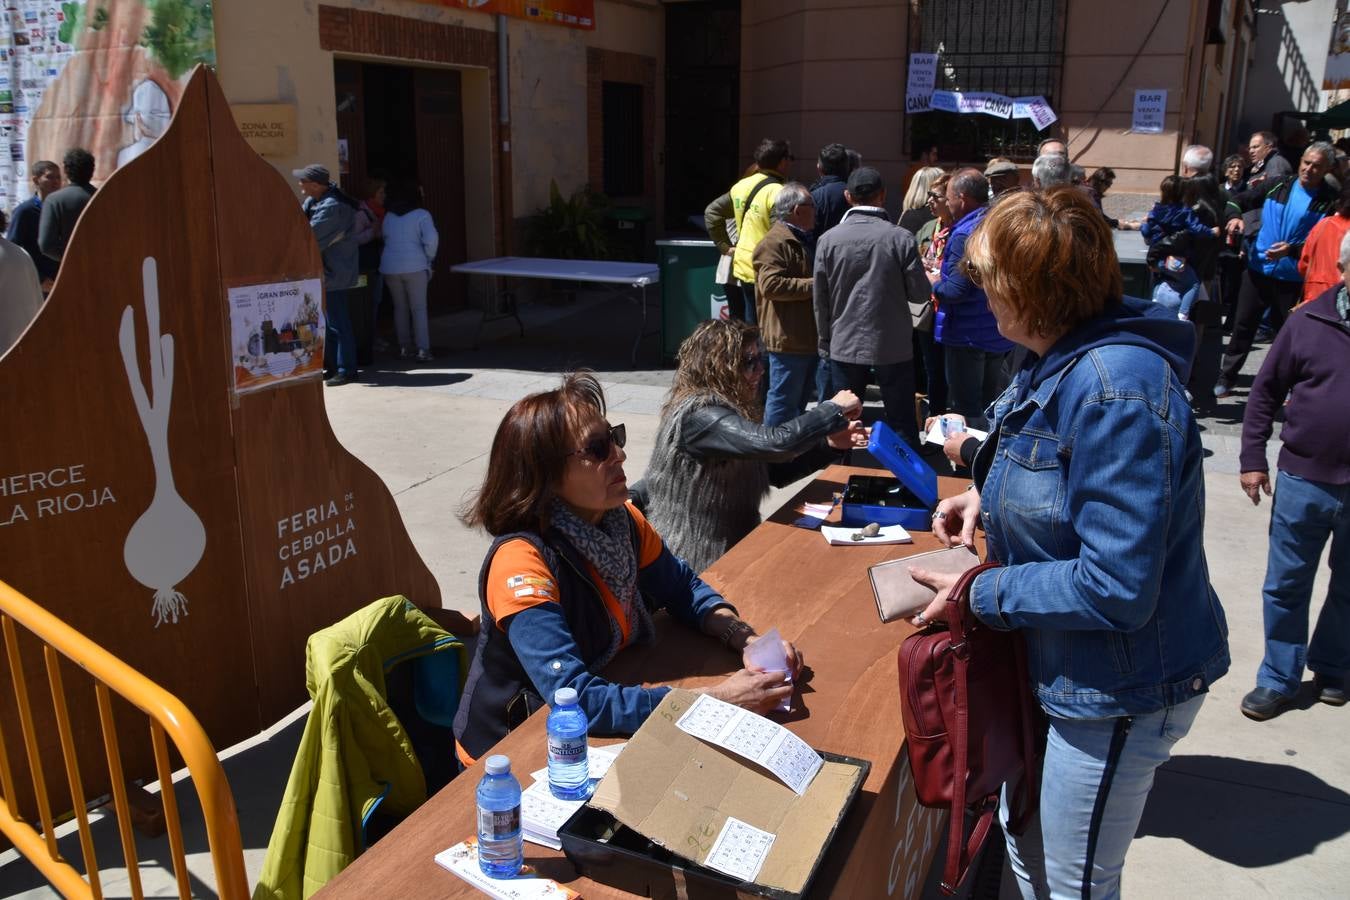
x,y
899,596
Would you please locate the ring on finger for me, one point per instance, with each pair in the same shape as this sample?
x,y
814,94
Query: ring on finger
x,y
920,619
939,514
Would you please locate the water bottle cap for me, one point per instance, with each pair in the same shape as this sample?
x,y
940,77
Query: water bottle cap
x,y
498,765
565,697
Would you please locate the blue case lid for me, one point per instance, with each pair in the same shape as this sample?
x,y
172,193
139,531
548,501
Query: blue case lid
x,y
907,465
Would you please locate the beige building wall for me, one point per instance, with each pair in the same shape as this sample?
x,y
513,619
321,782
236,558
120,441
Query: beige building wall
x,y
269,52
817,71
821,71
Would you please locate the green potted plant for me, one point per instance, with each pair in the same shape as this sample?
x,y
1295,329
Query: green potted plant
x,y
569,227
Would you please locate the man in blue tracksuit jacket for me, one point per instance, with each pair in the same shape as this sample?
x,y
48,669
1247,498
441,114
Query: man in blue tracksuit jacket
x,y
1289,210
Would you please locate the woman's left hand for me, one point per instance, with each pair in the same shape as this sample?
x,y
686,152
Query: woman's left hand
x,y
855,435
792,654
942,582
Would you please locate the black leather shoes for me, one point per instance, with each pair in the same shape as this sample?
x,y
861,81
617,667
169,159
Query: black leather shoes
x,y
1263,703
1330,689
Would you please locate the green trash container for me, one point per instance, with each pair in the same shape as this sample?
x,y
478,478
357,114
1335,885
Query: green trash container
x,y
688,294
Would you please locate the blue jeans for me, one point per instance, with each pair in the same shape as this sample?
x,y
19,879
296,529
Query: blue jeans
x,y
1176,291
897,392
748,293
790,376
339,351
1094,782
975,378
1303,515
824,380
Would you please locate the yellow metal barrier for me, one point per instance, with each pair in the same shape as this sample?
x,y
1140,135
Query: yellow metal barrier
x,y
169,720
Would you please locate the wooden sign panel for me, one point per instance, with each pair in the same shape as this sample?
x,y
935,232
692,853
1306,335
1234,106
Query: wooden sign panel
x,y
199,533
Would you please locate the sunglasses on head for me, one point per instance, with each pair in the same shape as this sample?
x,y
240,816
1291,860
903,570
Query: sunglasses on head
x,y
599,448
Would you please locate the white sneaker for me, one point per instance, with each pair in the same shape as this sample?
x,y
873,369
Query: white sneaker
x,y
424,356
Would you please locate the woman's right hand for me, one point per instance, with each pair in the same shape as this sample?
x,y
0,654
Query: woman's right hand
x,y
758,692
849,403
954,519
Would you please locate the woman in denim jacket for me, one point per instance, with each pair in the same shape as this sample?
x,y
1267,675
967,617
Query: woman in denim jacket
x,y
1091,494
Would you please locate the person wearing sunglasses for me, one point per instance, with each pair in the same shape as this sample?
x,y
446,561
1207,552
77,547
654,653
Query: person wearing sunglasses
x,y
714,460
574,575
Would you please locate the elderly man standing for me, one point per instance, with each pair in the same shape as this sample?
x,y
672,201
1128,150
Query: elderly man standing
x,y
1267,166
1309,366
1289,210
975,351
783,293
1003,177
1051,170
332,216
868,271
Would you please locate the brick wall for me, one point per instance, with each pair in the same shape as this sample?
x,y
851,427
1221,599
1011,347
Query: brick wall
x,y
630,68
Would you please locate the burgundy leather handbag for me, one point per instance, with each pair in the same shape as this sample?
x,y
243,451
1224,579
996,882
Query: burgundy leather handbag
x,y
971,724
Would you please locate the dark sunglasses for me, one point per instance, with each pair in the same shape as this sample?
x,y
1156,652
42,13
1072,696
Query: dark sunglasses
x,y
752,361
599,448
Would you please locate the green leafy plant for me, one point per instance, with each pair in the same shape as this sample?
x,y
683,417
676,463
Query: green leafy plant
x,y
71,14
180,34
569,227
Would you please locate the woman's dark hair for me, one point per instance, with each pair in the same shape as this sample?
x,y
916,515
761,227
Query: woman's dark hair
x,y
1343,203
1101,179
1235,158
402,197
529,454
1169,190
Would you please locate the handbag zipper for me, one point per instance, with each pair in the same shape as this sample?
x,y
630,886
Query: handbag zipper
x,y
909,687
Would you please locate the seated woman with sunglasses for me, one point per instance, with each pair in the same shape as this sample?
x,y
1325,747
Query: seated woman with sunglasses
x,y
574,575
713,461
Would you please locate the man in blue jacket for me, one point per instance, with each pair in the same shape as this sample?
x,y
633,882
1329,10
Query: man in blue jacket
x,y
332,216
1289,210
975,351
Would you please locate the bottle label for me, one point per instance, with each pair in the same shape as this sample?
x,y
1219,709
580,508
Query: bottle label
x,y
499,824
566,750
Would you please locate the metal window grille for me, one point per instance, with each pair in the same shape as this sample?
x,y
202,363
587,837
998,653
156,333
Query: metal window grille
x,y
622,123
1011,47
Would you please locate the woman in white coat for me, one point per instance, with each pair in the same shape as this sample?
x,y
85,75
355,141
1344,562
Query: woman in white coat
x,y
410,241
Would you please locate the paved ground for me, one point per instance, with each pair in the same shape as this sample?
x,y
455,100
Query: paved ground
x,y
1242,810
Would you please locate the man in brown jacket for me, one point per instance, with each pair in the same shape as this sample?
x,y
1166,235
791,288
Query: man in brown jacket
x,y
783,291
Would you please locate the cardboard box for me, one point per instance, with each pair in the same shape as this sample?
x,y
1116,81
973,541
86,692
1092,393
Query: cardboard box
x,y
678,792
907,499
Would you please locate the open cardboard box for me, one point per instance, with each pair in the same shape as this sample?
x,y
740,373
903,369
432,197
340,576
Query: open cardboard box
x,y
671,793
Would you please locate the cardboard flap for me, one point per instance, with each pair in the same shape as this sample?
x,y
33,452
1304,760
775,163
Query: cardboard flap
x,y
908,466
679,791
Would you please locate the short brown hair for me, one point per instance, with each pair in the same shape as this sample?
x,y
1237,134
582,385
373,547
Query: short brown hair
x,y
529,454
1047,256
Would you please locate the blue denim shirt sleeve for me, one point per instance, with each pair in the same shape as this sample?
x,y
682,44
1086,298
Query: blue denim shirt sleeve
x,y
1121,483
545,647
677,589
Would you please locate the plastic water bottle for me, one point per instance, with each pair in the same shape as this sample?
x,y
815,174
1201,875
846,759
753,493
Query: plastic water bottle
x,y
568,768
500,849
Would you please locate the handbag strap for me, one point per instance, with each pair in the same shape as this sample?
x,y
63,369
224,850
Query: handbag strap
x,y
960,851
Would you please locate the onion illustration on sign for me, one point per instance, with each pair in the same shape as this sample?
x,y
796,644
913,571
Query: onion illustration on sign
x,y
168,540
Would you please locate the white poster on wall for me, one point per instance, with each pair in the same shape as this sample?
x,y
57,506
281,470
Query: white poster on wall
x,y
1150,111
1337,74
921,82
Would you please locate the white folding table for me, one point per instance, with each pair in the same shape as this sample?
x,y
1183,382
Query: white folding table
x,y
591,271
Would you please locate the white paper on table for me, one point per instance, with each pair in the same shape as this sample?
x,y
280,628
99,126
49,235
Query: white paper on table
x,y
543,813
842,536
767,653
740,850
945,426
753,737
598,759
462,860
551,841
818,510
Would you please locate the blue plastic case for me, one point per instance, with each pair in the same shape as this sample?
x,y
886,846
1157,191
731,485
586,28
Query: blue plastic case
x,y
906,500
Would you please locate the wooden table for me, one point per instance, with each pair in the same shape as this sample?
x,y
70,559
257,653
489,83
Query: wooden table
x,y
819,597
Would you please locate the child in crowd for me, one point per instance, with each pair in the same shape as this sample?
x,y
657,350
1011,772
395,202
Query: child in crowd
x,y
1171,230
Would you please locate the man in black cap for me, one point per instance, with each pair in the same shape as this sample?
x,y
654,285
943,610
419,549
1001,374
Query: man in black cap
x,y
867,273
1003,177
332,216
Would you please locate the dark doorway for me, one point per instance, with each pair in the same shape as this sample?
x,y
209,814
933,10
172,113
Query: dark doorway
x,y
703,65
407,122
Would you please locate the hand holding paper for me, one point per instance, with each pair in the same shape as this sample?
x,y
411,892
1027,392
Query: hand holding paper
x,y
770,654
